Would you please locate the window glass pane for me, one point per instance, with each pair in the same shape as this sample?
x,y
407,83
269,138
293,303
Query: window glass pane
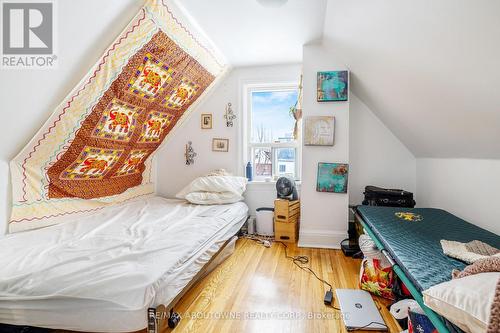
x,y
285,159
262,158
271,118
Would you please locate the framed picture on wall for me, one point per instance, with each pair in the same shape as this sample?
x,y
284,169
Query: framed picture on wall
x,y
332,177
332,86
319,131
221,145
206,121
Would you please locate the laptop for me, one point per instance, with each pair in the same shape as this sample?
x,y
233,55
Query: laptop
x,y
359,311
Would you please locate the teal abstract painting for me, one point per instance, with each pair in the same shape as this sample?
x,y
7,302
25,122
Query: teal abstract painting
x,y
332,86
332,177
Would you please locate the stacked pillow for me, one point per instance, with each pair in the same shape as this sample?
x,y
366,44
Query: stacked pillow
x,y
466,302
214,189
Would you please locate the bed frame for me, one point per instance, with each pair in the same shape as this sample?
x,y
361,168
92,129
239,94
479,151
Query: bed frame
x,y
436,319
173,317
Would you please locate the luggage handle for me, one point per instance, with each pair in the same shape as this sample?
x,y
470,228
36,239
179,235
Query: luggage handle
x,y
389,191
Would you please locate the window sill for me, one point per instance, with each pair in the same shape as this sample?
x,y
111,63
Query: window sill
x,y
263,183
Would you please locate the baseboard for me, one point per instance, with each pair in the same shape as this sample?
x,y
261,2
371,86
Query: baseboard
x,y
325,239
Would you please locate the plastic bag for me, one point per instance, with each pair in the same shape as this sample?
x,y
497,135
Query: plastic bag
x,y
377,278
376,275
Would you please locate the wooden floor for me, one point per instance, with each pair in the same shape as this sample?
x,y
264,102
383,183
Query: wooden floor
x,y
258,290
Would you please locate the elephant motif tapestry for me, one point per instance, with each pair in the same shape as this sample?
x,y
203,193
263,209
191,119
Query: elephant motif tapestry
x,y
96,148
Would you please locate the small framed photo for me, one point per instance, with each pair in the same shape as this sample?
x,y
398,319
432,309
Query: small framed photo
x,y
206,121
221,145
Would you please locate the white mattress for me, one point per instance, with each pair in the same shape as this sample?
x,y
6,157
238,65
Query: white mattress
x,y
102,272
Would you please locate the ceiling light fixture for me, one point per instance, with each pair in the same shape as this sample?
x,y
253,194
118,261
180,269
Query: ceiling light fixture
x,y
272,3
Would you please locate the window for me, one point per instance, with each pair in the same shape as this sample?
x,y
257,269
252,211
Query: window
x,y
270,144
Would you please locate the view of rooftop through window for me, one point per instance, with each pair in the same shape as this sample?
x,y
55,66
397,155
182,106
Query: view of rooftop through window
x,y
271,118
273,146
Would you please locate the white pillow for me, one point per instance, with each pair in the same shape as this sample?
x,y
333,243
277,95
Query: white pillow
x,y
212,198
466,302
214,190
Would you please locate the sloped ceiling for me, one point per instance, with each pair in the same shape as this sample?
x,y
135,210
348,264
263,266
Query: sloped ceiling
x,y
248,33
429,69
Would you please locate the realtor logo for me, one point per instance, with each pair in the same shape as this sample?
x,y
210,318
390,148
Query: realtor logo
x,y
28,34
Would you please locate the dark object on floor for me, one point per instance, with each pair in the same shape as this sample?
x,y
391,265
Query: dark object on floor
x,y
400,291
378,196
328,297
4,328
173,319
349,248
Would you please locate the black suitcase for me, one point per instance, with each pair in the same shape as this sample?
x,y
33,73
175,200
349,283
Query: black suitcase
x,y
377,196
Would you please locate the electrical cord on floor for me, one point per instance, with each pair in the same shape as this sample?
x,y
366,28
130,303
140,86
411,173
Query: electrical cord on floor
x,y
303,260
384,326
298,261
266,241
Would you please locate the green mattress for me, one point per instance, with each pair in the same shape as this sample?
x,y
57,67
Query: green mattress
x,y
412,238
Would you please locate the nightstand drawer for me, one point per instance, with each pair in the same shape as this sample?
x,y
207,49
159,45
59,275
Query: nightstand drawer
x,y
286,210
286,231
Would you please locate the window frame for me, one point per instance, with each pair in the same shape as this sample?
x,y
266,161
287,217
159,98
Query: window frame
x,y
248,145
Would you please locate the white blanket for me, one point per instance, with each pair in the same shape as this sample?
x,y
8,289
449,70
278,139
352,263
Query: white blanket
x,y
121,260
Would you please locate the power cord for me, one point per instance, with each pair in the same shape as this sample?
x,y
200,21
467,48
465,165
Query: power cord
x,y
299,261
303,260
266,241
384,326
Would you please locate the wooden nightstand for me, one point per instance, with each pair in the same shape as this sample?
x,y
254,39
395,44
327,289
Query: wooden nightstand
x,y
286,220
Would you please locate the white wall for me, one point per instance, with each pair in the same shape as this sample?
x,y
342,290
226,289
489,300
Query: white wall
x,y
376,156
28,97
173,174
428,69
324,216
468,188
85,30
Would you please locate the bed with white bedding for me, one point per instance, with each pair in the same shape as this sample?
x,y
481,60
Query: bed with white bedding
x,y
102,272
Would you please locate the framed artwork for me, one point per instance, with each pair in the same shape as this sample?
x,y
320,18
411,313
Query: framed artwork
x,y
221,145
206,121
332,177
332,86
319,131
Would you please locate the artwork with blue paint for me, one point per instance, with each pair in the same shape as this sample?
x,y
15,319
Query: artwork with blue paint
x,y
332,86
332,177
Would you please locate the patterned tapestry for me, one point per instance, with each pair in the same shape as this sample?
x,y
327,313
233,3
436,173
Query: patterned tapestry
x,y
96,148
